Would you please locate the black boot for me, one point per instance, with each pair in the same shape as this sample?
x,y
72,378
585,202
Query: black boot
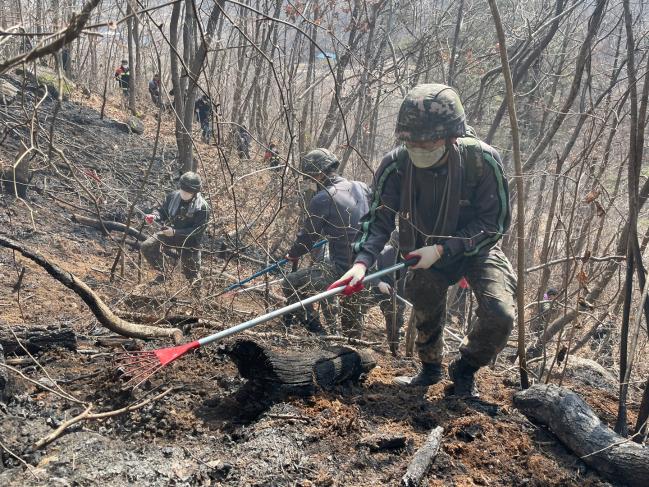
x,y
428,375
157,280
289,319
314,326
463,376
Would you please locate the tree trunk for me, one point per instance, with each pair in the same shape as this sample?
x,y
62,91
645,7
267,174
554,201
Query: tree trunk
x,y
299,374
520,197
578,428
35,338
132,79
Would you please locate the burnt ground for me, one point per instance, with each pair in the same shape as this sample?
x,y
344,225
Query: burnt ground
x,y
213,429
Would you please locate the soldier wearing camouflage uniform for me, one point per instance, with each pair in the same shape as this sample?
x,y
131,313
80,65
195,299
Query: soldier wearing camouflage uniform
x,y
451,197
333,213
185,214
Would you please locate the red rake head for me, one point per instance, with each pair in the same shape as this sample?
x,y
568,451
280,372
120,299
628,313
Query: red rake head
x,y
139,365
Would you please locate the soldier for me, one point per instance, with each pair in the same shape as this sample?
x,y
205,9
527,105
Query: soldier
x,y
271,156
154,90
122,76
333,213
451,197
243,142
185,214
203,108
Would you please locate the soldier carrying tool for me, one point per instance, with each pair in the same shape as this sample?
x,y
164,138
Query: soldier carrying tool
x,y
333,213
451,197
185,214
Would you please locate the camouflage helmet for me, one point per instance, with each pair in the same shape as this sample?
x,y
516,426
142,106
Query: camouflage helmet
x,y
318,161
430,112
190,182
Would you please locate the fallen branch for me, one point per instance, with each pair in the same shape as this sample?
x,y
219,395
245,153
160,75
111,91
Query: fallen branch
x,y
604,258
576,425
108,225
101,311
423,458
64,395
88,415
23,462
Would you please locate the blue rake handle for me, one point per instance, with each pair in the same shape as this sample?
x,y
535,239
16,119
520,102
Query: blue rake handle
x,y
267,269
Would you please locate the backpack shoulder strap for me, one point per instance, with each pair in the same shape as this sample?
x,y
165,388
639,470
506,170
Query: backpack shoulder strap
x,y
473,159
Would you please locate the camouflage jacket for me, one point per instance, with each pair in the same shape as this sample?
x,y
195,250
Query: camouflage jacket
x,y
480,205
188,218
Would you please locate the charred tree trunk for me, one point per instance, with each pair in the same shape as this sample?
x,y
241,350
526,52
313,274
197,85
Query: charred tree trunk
x,y
132,79
301,374
35,338
577,427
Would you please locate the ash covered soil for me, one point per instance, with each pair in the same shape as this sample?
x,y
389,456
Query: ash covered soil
x,y
212,428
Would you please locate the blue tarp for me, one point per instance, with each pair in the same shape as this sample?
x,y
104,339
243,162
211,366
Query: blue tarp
x,y
329,55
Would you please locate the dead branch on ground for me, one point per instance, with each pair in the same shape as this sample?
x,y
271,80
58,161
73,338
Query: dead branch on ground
x,y
101,311
88,415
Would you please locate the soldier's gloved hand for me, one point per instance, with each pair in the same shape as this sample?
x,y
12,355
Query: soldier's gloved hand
x,y
149,219
352,279
292,259
427,256
385,288
168,232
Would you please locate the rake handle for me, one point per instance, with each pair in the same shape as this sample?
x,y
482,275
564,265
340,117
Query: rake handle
x,y
295,306
267,269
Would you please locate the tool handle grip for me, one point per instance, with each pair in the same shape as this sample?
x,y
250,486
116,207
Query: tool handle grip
x,y
412,260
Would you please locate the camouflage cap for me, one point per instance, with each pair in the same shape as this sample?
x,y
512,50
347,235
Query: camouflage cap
x,y
190,182
430,112
318,161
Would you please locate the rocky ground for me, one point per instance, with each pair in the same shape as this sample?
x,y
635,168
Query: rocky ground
x,y
212,429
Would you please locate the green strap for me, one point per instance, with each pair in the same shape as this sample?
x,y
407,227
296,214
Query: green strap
x,y
376,200
502,198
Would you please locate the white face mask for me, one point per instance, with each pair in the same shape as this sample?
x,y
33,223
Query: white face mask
x,y
186,196
424,158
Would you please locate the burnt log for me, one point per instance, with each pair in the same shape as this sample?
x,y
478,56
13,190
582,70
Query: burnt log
x,y
36,339
421,462
301,374
573,422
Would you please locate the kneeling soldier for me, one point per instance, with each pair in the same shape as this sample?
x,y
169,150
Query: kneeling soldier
x,y
185,214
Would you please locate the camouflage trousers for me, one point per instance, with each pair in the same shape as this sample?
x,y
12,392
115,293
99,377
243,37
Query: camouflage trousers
x,y
493,283
387,309
306,282
163,254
